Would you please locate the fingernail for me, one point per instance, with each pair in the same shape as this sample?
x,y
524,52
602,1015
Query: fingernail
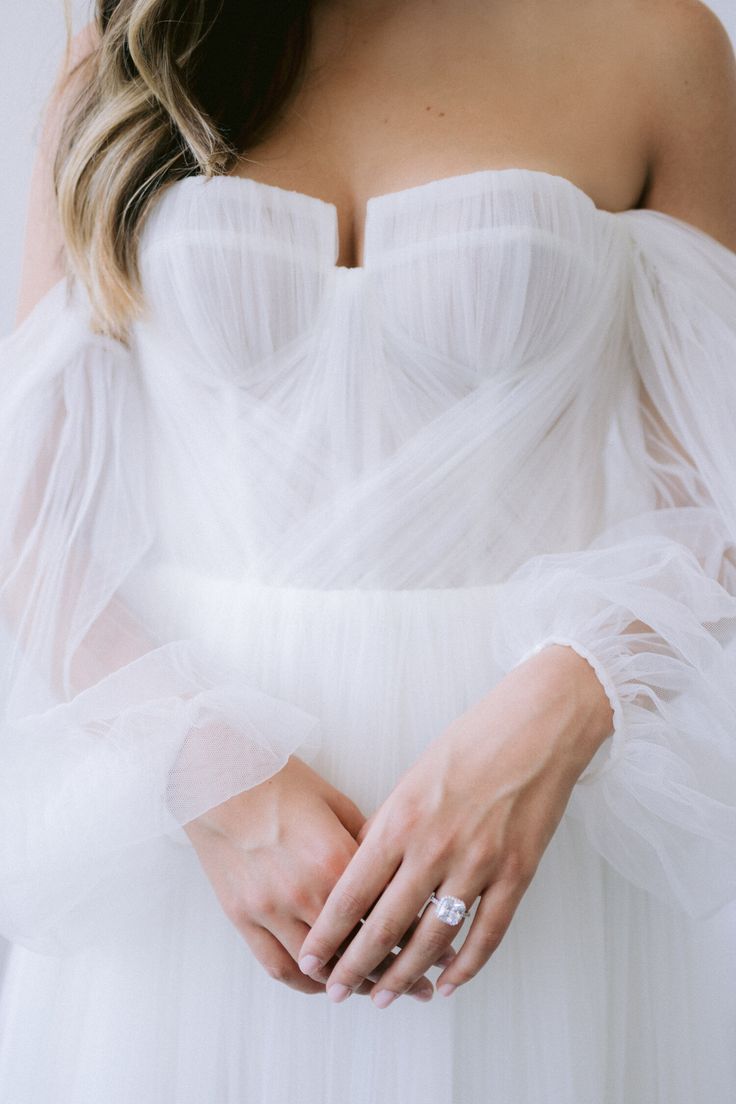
x,y
338,992
309,963
447,990
384,997
423,994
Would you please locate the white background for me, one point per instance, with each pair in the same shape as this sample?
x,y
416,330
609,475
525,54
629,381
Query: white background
x,y
30,50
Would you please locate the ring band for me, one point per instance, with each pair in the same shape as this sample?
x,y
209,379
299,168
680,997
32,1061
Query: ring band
x,y
450,910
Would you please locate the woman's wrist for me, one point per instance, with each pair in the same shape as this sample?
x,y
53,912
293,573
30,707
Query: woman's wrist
x,y
562,671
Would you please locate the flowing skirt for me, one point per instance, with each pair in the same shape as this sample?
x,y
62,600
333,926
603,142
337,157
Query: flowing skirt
x,y
598,994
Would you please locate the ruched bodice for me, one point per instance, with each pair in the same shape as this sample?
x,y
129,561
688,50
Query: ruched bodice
x,y
457,242
480,343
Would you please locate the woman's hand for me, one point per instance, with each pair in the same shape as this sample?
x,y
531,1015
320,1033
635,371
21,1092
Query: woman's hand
x,y
472,816
272,854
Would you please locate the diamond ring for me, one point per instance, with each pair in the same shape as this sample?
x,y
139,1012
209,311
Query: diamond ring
x,y
450,910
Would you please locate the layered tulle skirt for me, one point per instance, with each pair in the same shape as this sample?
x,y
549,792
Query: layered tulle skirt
x,y
598,993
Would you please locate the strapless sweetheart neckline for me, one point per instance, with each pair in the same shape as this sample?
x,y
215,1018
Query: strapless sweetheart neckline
x,y
455,185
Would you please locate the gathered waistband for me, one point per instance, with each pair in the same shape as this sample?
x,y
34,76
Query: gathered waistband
x,y
168,574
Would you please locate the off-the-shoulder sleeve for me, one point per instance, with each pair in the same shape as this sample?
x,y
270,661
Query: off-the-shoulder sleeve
x,y
651,602
110,739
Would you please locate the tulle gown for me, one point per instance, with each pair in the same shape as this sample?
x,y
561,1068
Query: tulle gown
x,y
322,510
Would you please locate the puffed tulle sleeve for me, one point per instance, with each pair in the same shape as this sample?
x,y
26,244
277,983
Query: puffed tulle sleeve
x,y
111,740
651,602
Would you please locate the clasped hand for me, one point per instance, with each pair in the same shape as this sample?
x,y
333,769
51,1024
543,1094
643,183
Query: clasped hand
x,y
471,817
300,871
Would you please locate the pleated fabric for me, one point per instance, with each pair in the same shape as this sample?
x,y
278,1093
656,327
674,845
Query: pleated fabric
x,y
320,511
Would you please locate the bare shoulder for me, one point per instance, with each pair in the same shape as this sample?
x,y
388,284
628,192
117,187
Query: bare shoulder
x,y
678,53
688,28
690,51
690,83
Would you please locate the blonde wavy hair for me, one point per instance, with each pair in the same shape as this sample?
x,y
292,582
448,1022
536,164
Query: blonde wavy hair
x,y
168,88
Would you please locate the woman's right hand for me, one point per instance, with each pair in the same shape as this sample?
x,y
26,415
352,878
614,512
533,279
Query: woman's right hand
x,y
273,854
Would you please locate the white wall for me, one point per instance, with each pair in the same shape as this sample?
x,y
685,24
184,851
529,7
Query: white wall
x,y
30,51
726,9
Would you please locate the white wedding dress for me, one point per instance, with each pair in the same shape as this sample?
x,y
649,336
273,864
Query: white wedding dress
x,y
322,510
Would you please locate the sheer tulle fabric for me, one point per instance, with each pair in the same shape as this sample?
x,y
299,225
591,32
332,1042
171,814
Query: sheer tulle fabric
x,y
652,601
113,735
322,510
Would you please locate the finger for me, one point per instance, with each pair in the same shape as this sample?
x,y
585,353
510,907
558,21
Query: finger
x,y
423,984
322,973
495,911
383,929
422,988
444,959
361,834
345,809
353,894
275,952
276,960
291,934
431,937
447,956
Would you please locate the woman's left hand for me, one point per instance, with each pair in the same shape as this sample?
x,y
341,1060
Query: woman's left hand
x,y
472,816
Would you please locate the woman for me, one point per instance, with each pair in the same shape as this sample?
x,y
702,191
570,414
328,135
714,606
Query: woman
x,y
369,574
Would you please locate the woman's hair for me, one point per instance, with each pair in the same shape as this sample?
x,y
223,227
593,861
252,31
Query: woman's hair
x,y
171,88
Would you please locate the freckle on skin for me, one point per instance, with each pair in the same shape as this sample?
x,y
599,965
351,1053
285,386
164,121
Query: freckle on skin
x,y
441,113
428,107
